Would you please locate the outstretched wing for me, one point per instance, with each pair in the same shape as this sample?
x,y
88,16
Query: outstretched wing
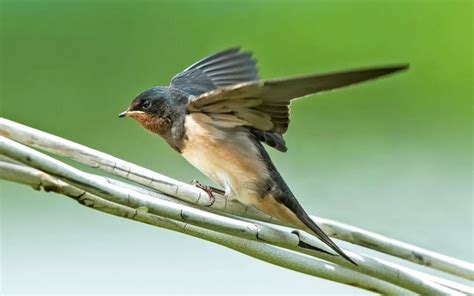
x,y
228,67
264,105
225,68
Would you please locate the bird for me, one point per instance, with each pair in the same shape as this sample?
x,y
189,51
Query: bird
x,y
218,114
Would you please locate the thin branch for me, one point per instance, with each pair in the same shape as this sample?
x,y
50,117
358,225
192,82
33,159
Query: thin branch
x,y
396,248
105,162
14,174
281,257
254,231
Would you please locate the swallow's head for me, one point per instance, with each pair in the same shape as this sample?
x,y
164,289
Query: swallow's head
x,y
152,109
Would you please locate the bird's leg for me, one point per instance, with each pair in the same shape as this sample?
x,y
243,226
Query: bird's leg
x,y
209,189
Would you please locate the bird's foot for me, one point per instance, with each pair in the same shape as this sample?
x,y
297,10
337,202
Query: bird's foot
x,y
208,189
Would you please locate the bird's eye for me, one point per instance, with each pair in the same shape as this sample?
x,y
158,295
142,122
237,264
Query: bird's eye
x,y
146,104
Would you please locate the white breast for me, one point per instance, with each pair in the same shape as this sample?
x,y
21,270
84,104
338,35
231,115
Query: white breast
x,y
227,156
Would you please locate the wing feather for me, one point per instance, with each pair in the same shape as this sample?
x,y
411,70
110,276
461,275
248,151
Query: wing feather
x,y
273,140
257,119
272,113
226,120
225,86
274,96
226,68
221,69
227,106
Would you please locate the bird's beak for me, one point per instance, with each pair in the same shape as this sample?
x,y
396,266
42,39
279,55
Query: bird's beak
x,y
123,114
132,113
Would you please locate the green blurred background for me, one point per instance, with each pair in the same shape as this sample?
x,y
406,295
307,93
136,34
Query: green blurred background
x,y
391,156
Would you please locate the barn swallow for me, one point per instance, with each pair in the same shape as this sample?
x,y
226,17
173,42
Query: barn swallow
x,y
217,113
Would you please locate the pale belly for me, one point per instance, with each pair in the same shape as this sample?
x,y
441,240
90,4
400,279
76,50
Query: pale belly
x,y
226,156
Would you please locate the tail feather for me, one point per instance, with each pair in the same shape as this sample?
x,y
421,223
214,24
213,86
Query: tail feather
x,y
323,236
287,208
280,202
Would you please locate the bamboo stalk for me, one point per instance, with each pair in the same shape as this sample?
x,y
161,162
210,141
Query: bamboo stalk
x,y
183,191
254,231
277,256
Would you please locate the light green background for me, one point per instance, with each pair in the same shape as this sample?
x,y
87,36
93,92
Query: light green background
x,y
391,156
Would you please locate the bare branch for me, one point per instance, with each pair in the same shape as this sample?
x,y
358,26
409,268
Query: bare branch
x,y
183,191
281,257
253,231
